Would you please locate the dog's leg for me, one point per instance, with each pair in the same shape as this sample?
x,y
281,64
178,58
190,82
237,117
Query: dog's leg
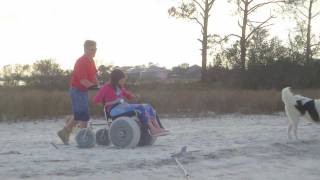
x,y
289,131
295,130
293,121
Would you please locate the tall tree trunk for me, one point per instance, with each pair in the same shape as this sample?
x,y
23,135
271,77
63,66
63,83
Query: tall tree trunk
x,y
205,43
243,48
308,45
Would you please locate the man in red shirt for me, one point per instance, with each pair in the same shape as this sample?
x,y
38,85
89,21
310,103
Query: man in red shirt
x,y
83,77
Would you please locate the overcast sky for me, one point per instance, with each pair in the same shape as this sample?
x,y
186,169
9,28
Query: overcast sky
x,y
127,32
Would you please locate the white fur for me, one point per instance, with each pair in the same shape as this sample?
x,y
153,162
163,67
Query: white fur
x,y
290,100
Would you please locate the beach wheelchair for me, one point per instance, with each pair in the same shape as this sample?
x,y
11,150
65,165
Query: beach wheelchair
x,y
123,129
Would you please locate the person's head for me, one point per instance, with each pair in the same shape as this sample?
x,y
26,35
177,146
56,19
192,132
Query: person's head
x,y
117,78
90,48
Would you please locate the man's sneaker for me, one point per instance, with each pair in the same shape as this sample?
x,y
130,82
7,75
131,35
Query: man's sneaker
x,y
64,135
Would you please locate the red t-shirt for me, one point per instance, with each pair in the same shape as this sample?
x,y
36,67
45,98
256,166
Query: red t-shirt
x,y
84,68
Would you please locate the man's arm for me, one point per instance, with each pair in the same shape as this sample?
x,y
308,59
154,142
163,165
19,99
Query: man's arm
x,y
86,83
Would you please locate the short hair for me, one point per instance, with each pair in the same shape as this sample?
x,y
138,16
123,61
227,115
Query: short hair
x,y
89,43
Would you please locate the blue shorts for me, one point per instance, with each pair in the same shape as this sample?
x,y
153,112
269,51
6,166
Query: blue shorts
x,y
80,104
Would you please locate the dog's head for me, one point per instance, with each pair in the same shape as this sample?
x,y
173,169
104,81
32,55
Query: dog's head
x,y
286,93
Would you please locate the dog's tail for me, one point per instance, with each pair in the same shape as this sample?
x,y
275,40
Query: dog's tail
x,y
288,97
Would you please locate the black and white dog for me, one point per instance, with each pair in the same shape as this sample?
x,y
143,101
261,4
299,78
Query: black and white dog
x,y
296,107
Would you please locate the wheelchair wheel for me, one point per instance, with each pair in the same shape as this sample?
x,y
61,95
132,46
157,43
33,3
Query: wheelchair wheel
x,y
86,138
125,132
102,137
146,139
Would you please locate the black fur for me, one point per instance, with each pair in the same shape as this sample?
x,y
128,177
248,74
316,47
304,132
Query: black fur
x,y
309,107
300,107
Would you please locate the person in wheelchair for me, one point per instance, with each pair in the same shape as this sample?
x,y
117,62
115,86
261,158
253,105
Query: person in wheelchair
x,y
114,97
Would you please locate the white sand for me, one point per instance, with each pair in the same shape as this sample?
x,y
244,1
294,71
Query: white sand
x,y
219,147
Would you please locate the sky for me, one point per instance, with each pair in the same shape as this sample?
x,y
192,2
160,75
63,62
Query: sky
x,y
127,32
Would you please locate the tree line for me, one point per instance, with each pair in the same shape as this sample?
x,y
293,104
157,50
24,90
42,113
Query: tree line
x,y
43,74
271,63
239,54
252,59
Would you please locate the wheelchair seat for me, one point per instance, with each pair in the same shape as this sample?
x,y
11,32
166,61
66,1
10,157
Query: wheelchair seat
x,y
120,110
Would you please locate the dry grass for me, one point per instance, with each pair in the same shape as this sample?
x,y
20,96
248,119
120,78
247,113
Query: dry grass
x,y
24,104
29,104
219,101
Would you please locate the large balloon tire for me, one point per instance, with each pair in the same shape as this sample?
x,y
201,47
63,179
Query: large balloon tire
x,y
102,137
146,139
125,132
86,138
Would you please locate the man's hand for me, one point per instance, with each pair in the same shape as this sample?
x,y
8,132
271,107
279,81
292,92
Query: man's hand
x,y
94,87
89,85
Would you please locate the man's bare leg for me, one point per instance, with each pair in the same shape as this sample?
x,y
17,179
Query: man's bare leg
x,y
70,124
83,124
64,133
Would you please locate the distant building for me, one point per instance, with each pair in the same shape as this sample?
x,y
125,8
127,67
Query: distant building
x,y
193,72
134,74
140,73
154,73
